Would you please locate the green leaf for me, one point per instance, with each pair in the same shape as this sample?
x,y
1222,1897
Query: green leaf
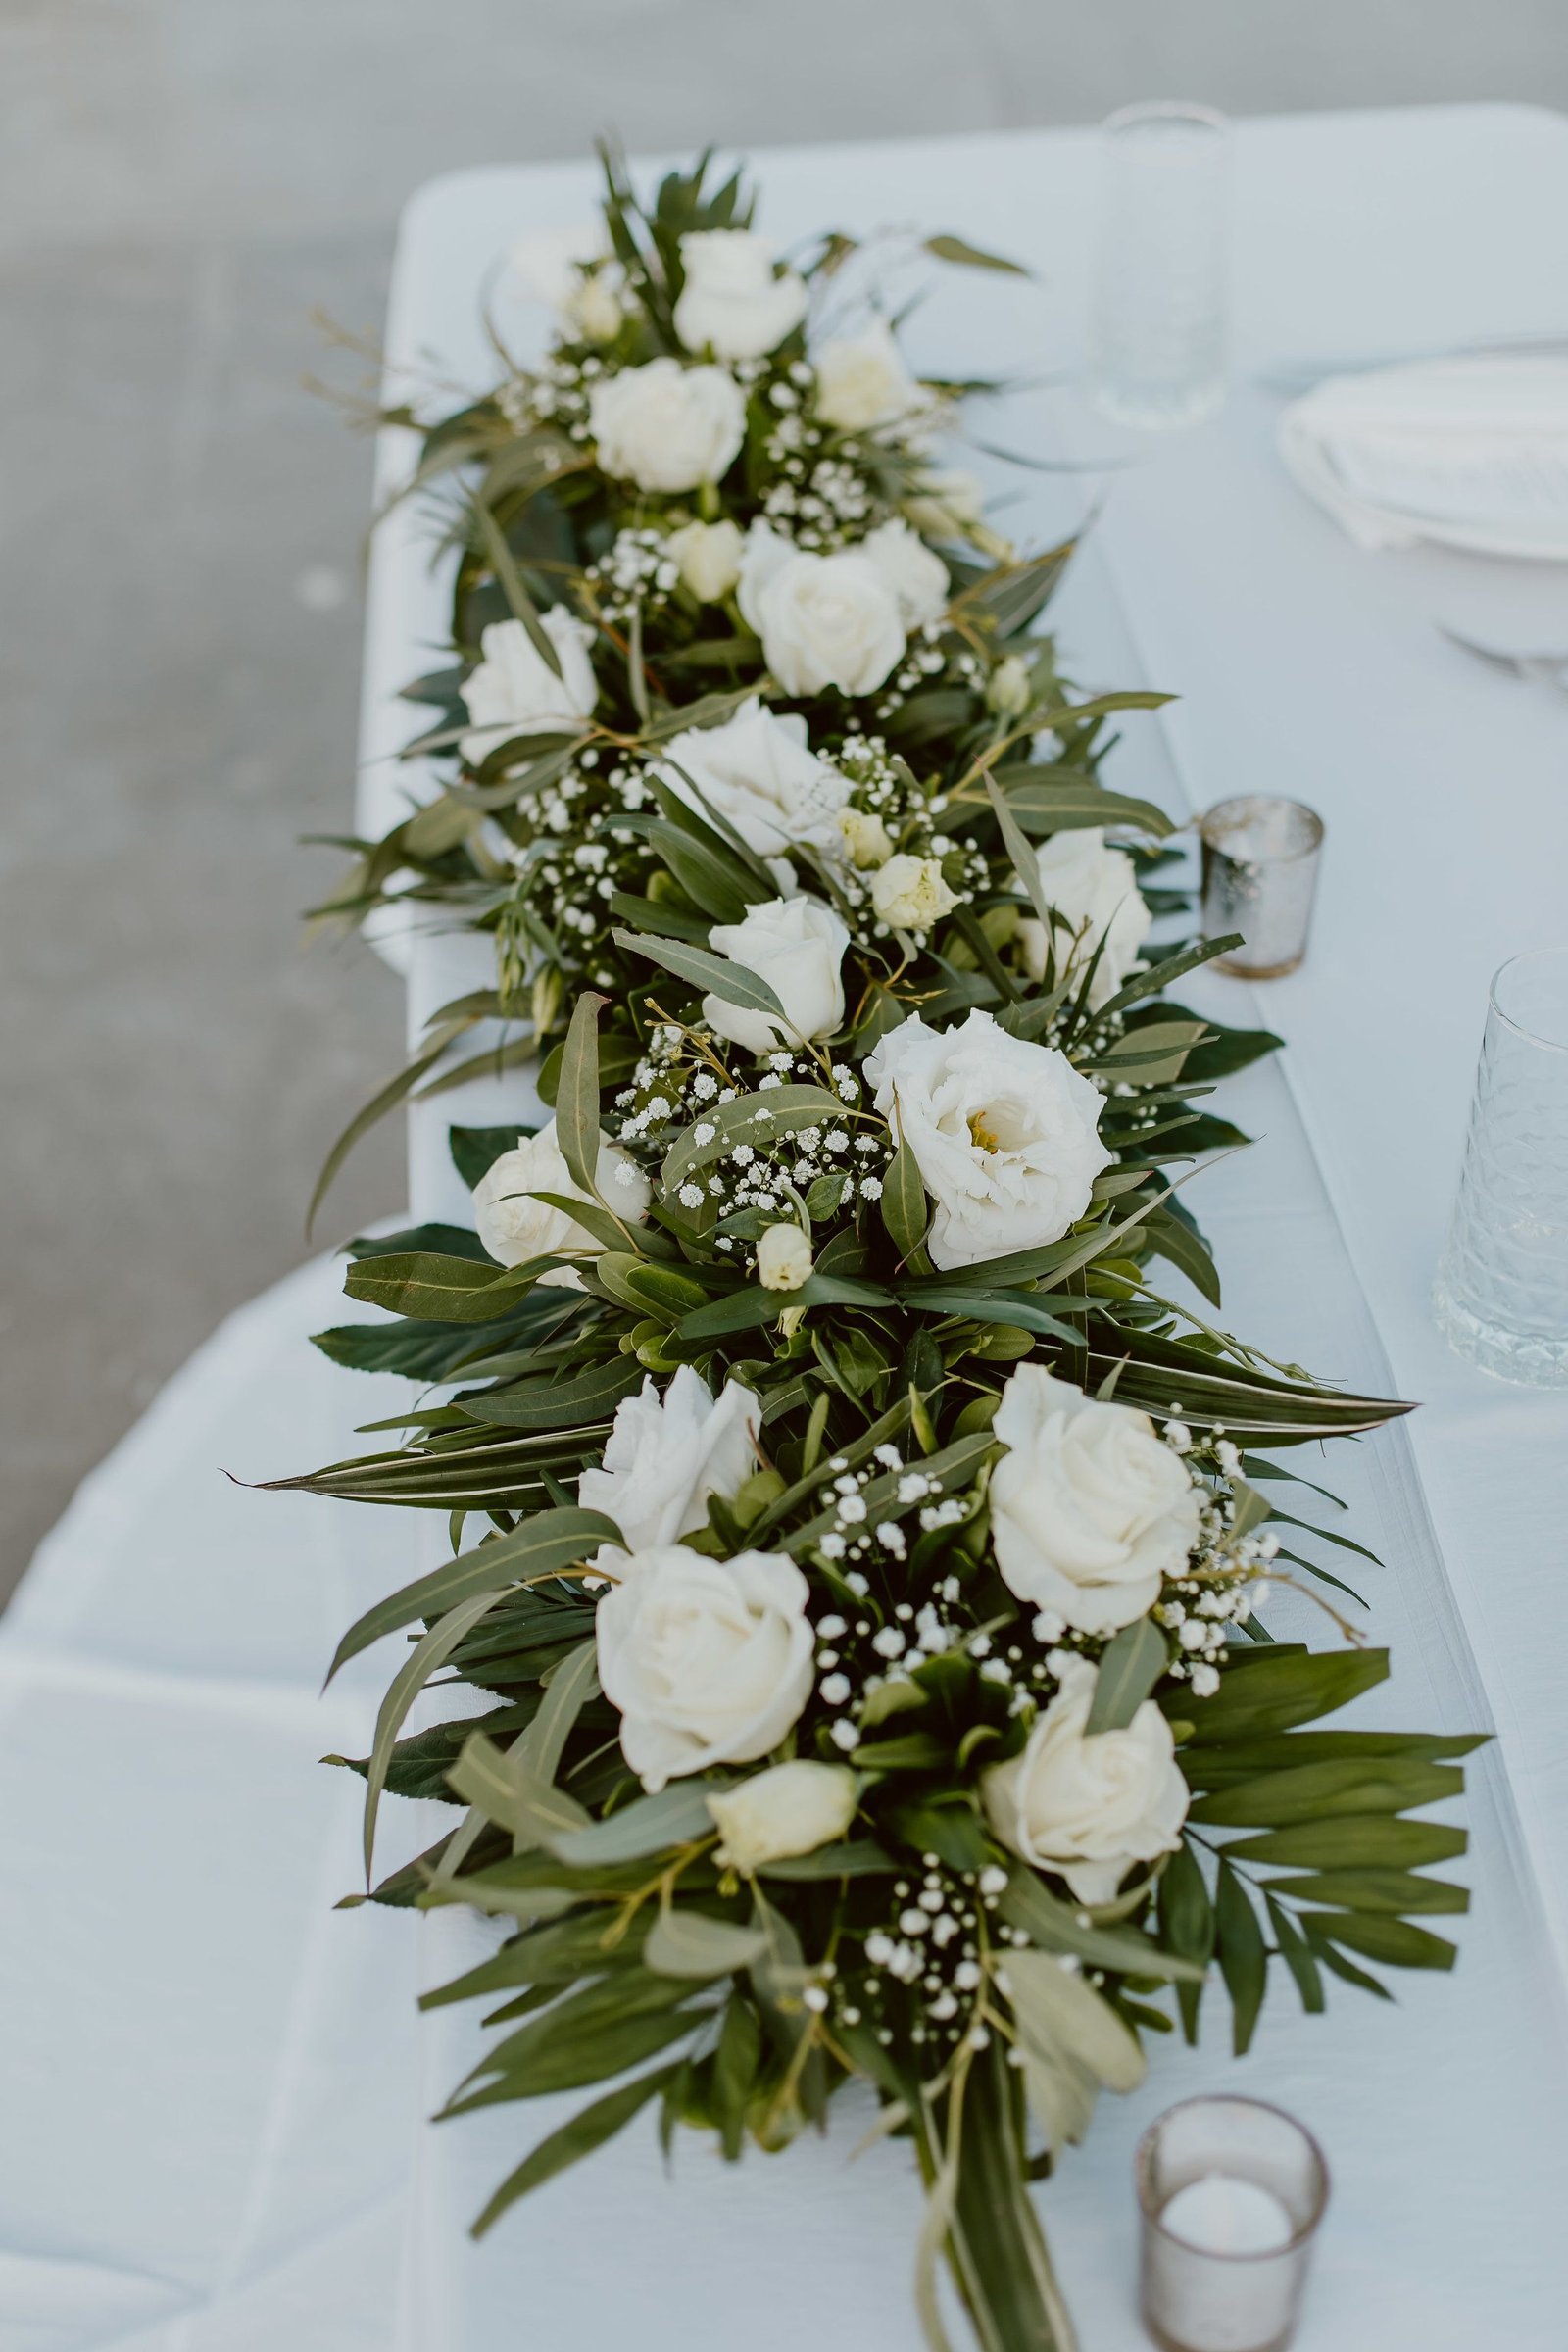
x,y
1271,1693
904,1212
1055,1928
510,579
438,1290
1396,1891
592,1396
971,257
427,1657
1058,2008
587,2131
856,1858
1368,1840
1297,1956
649,1824
731,983
578,1094
1242,1960
571,1684
686,1942
542,1544
1186,1926
1394,1941
475,1149
735,2065
1186,1249
1045,801
511,1796
1130,1666
1315,1790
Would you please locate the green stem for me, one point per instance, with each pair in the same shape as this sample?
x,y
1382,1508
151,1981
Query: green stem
x,y
994,2248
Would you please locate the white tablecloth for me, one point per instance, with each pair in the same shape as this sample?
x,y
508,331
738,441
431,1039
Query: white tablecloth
x,y
210,2083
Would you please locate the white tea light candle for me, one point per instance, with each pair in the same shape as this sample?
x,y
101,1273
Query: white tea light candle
x,y
1232,2192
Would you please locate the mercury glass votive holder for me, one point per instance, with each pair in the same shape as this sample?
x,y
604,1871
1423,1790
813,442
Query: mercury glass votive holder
x,y
1232,2192
1260,861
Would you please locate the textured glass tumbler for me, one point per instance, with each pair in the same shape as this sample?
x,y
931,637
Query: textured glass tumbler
x,y
1232,2192
1501,1293
1158,322
1261,858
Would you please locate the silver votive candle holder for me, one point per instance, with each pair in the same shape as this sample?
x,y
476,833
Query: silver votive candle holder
x,y
1230,2191
1260,861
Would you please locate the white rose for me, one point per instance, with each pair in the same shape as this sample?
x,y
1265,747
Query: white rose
x,y
1090,1511
790,1809
1094,895
732,303
1005,1132
665,1456
861,382
1089,1808
513,1227
515,691
709,557
917,577
759,774
594,309
865,837
824,621
797,946
783,1258
709,1662
911,894
667,427
546,265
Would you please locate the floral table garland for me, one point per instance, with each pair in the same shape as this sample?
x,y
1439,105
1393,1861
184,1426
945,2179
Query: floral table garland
x,y
866,1602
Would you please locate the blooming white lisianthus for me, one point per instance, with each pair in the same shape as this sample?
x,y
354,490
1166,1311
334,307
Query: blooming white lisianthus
x,y
863,382
665,1456
709,1662
667,427
1093,892
797,946
783,1258
732,303
1005,1133
513,1227
911,894
1089,1807
514,691
759,774
709,557
1090,1511
917,578
824,621
789,1810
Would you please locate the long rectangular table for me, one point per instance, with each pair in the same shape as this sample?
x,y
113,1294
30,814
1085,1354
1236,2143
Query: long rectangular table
x,y
1305,667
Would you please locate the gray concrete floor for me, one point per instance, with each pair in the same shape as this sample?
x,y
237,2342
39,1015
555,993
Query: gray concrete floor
x,y
180,182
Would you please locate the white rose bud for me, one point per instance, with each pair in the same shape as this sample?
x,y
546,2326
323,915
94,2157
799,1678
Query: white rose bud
x,y
1008,689
709,557
667,427
944,504
514,691
797,946
1094,895
1090,1511
789,1810
909,892
709,1662
546,265
665,1456
917,577
514,1227
1005,1133
759,774
733,304
594,309
865,837
824,621
783,1258
861,382
1089,1807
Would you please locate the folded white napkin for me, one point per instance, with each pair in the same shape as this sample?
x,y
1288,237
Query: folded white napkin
x,y
1473,450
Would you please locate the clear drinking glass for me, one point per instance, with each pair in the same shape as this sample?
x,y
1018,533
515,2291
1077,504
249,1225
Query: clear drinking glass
x,y
1232,2192
1501,1291
1260,859
1157,324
